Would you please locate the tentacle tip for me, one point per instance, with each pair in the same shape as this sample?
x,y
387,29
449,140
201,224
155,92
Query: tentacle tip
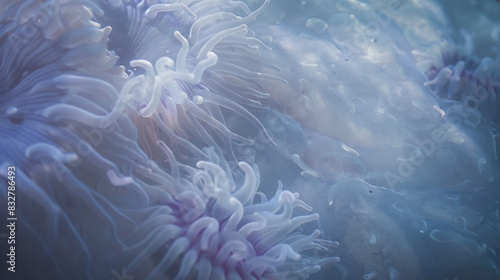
x,y
116,180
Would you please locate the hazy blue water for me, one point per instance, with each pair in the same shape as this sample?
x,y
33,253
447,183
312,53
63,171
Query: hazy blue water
x,y
423,203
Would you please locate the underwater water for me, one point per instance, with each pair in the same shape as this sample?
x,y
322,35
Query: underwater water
x,y
257,139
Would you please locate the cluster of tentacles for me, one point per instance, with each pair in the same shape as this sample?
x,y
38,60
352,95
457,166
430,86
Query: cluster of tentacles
x,y
472,82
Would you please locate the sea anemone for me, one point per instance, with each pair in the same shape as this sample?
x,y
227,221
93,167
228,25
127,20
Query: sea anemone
x,y
191,64
206,227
